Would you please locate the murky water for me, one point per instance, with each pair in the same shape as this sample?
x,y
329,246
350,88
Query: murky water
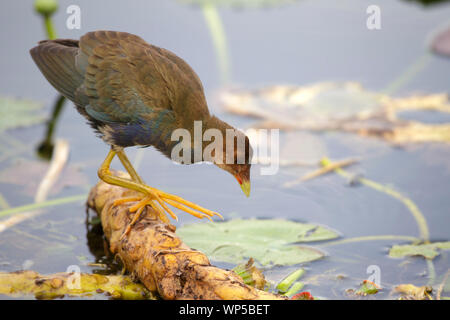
x,y
303,43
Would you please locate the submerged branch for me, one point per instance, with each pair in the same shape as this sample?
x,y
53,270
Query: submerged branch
x,y
59,160
155,255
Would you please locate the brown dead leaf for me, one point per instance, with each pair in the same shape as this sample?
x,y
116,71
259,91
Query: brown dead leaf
x,y
345,107
411,292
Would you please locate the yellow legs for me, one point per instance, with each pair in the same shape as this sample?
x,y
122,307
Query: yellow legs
x,y
157,199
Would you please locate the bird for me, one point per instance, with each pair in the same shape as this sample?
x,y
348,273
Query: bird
x,y
133,93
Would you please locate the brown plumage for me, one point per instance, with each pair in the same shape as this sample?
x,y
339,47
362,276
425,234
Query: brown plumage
x,y
133,93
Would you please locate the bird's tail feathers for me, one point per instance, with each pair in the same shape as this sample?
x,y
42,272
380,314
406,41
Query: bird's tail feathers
x,y
57,61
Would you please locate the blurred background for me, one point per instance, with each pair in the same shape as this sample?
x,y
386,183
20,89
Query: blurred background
x,y
247,46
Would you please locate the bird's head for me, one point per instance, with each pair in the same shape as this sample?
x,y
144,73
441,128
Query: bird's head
x,y
242,174
236,154
238,161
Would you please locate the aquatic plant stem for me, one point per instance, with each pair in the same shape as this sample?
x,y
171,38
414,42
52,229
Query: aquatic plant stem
x,y
442,285
48,203
45,148
417,214
49,28
296,287
413,209
284,285
409,74
219,38
431,272
370,238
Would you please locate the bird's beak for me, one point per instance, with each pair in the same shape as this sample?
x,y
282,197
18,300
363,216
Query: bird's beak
x,y
245,186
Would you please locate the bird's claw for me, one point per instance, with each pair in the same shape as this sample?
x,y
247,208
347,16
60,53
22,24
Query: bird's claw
x,y
158,200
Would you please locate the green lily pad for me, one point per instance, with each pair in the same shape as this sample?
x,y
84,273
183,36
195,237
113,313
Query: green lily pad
x,y
268,242
429,250
15,113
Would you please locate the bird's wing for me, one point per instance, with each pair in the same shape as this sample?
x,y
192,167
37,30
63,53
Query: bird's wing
x,y
189,86
126,79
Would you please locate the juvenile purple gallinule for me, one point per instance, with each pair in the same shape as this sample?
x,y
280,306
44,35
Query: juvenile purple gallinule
x,y
136,94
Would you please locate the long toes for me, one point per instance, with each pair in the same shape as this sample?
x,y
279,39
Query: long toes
x,y
135,207
159,200
142,203
125,200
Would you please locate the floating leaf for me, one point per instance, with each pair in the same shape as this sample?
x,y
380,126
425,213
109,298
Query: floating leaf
x,y
346,107
411,292
428,250
15,113
269,242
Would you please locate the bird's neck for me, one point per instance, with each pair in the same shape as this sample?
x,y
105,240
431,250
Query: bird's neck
x,y
201,136
215,134
215,123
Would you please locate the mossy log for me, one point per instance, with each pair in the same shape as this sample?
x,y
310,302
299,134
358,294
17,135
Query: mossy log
x,y
30,283
159,259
